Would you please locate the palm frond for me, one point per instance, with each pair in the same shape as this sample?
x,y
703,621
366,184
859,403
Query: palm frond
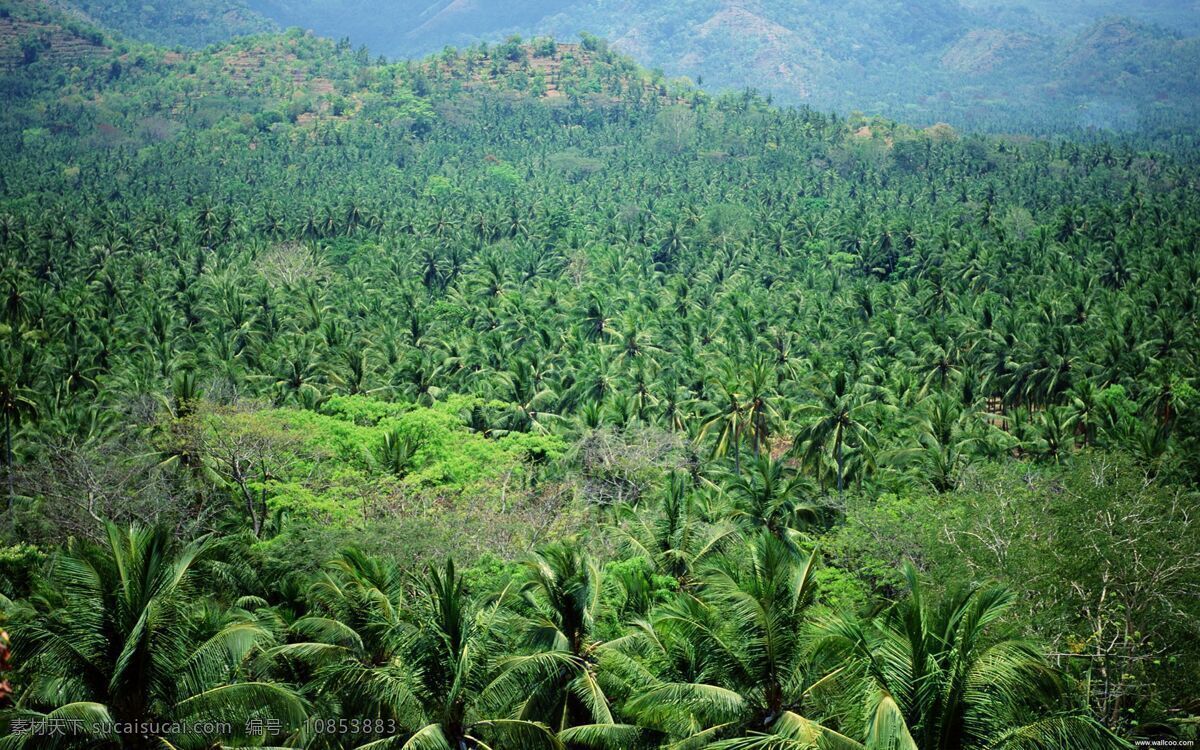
x,y
230,702
528,735
888,729
218,655
1054,732
81,719
791,732
711,704
328,630
518,673
589,693
603,736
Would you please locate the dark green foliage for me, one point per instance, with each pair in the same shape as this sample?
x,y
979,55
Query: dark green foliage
x,y
680,382
119,637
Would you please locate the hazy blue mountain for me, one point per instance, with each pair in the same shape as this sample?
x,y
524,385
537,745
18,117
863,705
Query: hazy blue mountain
x,y
990,64
1033,64
1183,15
192,23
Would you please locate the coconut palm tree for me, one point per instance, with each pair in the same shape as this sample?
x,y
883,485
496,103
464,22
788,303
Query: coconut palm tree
x,y
934,674
121,638
771,497
838,419
557,681
731,658
946,436
16,404
673,535
420,669
348,648
728,417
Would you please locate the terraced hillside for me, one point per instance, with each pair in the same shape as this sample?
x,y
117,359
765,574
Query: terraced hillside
x,y
27,40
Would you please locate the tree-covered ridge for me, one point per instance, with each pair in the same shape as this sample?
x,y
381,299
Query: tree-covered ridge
x,y
992,66
30,32
999,66
588,411
123,95
188,23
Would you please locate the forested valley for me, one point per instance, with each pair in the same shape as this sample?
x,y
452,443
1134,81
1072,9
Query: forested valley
x,y
518,397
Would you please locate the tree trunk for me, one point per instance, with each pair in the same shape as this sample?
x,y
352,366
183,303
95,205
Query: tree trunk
x,y
838,450
251,506
737,451
8,458
261,517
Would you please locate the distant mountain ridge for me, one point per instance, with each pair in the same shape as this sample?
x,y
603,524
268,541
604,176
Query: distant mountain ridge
x,y
982,63
1031,65
192,23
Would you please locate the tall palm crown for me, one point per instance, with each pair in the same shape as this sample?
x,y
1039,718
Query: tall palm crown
x,y
348,647
123,640
731,658
558,680
835,421
771,496
942,675
450,658
674,536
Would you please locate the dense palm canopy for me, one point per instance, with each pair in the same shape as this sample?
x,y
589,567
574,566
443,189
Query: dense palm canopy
x,y
679,381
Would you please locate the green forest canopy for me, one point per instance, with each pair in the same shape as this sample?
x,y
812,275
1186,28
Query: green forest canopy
x,y
519,398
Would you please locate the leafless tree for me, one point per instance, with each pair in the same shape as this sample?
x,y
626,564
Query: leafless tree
x,y
247,456
80,486
620,466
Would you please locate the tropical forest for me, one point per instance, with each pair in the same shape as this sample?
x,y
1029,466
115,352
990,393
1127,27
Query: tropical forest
x,y
520,395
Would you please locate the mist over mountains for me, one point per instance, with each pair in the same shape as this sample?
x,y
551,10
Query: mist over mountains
x,y
1034,66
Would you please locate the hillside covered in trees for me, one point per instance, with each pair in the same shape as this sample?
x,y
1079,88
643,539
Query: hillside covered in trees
x,y
519,397
988,65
